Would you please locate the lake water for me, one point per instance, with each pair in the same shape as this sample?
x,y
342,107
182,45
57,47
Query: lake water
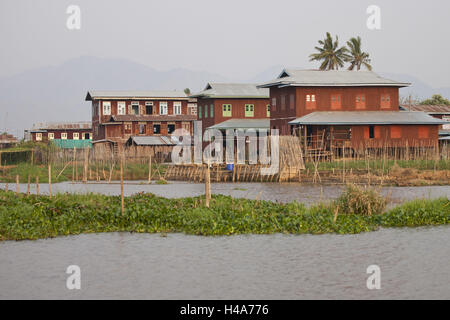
x,y
287,192
414,263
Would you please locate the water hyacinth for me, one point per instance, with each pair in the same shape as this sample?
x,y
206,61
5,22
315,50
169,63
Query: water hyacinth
x,y
33,217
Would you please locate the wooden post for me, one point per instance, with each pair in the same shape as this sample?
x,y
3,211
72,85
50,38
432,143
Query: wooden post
x,y
73,165
150,169
49,180
121,187
37,185
28,188
86,160
6,187
17,184
207,186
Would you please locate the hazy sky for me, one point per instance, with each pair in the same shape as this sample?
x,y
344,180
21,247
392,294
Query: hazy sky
x,y
235,38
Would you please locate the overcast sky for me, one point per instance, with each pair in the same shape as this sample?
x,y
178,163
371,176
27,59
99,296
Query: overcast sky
x,y
234,38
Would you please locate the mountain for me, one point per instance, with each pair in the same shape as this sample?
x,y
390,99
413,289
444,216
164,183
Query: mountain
x,y
418,88
57,93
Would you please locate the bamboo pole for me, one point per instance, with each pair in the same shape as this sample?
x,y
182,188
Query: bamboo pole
x,y
207,186
6,187
28,187
50,180
17,184
150,169
121,187
37,185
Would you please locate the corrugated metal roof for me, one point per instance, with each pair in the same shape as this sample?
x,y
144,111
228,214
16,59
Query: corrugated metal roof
x,y
365,118
242,124
152,141
70,143
330,78
62,126
233,90
433,109
135,95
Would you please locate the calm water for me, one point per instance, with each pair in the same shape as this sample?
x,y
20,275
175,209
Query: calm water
x,y
415,264
308,194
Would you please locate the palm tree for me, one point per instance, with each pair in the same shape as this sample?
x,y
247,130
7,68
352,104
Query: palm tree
x,y
332,56
357,57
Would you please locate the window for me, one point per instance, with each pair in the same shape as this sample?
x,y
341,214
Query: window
x,y
76,136
336,100
291,101
149,108
163,108
274,103
38,136
106,108
396,132
51,136
211,113
177,107
226,110
135,107
199,112
310,101
156,129
371,132
170,128
64,135
249,110
268,111
360,101
385,101
206,112
424,132
283,102
127,128
142,128
121,108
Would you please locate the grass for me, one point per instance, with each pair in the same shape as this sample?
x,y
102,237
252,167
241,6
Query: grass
x,y
33,217
378,165
132,171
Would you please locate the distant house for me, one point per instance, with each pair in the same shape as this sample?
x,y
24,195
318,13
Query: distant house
x,y
118,116
63,134
436,111
7,141
229,105
351,108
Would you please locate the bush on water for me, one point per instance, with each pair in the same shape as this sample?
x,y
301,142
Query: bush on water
x,y
33,217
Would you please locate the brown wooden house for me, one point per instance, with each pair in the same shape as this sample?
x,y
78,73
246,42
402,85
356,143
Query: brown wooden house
x,y
350,108
54,131
118,116
221,103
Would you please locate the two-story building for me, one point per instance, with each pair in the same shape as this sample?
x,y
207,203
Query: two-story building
x,y
346,107
63,134
233,106
119,116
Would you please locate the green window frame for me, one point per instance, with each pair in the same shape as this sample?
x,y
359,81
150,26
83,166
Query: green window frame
x,y
249,110
206,111
211,113
226,110
199,112
268,111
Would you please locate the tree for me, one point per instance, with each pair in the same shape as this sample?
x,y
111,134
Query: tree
x,y
357,58
331,56
187,91
436,99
